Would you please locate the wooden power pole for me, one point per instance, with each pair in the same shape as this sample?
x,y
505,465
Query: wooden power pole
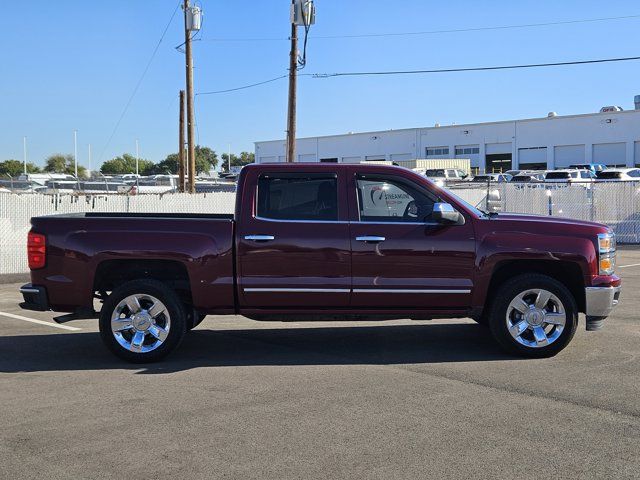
x,y
190,113
293,80
181,159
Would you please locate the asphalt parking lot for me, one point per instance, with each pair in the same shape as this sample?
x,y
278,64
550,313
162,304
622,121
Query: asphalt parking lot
x,y
243,399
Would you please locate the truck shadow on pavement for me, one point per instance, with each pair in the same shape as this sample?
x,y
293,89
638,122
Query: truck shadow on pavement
x,y
379,345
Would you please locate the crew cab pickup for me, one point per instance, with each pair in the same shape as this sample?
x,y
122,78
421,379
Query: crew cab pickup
x,y
324,242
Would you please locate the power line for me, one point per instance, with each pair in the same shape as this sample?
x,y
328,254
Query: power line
x,y
434,32
135,90
442,70
244,86
475,69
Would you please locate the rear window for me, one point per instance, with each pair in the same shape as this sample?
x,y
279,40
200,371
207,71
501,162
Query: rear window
x,y
557,176
300,197
521,178
435,172
605,175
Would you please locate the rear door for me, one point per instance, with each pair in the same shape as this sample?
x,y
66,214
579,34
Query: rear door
x,y
293,240
400,258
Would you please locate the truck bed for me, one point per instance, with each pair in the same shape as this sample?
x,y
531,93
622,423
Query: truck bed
x,y
85,248
209,216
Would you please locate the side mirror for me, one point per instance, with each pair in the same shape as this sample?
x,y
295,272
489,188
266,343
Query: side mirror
x,y
445,213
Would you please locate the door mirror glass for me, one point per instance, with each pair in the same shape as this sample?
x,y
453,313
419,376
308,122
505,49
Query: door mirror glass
x,y
446,214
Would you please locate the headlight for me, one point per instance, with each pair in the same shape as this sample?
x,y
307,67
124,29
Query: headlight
x,y
606,242
606,253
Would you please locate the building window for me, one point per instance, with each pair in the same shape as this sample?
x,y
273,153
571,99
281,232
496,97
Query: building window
x,y
467,150
437,151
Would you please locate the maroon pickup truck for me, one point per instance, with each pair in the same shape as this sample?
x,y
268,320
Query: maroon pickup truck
x,y
324,242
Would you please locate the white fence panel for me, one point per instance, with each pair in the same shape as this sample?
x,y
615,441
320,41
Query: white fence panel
x,y
16,212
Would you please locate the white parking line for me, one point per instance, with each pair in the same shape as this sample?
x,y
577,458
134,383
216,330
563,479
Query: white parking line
x,y
39,322
632,265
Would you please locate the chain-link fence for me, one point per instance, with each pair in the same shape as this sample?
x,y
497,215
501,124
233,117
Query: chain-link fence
x,y
614,204
16,212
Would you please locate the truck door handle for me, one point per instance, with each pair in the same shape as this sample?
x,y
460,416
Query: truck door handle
x,y
370,239
259,238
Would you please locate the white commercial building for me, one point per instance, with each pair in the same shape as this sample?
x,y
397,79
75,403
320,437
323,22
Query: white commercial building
x,y
611,137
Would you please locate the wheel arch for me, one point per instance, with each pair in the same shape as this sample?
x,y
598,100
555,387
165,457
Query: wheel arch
x,y
566,272
111,273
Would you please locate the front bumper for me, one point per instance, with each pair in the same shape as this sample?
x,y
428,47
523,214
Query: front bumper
x,y
600,301
35,298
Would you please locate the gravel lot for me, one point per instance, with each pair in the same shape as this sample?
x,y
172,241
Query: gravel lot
x,y
243,399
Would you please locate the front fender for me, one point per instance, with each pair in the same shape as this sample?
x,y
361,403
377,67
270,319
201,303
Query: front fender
x,y
495,248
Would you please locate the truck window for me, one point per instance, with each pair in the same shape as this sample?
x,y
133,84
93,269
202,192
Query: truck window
x,y
298,197
390,200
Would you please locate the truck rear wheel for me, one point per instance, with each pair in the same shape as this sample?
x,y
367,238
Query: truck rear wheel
x,y
142,321
533,315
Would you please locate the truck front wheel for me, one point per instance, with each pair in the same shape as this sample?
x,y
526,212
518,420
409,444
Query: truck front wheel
x,y
533,315
142,321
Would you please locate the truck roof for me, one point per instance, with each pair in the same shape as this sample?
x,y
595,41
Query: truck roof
x,y
322,166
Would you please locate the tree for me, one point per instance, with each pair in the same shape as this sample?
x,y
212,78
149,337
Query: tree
x,y
168,166
245,158
126,163
59,163
206,160
15,168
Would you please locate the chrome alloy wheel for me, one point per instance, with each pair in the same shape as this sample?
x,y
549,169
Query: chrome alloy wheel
x,y
140,323
536,318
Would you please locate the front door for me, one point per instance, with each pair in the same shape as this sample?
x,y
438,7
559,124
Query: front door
x,y
400,257
294,248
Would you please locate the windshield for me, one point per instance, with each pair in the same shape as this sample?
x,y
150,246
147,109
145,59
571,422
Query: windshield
x,y
558,175
608,175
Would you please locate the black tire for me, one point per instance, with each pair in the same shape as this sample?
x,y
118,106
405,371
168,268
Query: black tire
x,y
508,291
173,305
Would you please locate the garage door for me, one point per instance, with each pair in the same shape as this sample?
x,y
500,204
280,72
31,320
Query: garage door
x,y
610,153
492,148
566,155
532,155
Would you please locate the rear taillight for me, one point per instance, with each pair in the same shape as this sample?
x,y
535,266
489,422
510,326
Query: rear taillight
x,y
36,250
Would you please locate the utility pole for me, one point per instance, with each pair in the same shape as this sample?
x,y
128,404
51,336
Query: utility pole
x,y
293,82
24,153
75,152
137,157
181,159
188,26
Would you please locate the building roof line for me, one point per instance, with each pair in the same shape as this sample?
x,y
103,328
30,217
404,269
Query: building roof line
x,y
459,125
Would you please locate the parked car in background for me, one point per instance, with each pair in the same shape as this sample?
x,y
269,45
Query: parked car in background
x,y
492,177
569,176
324,242
592,167
528,177
619,175
443,175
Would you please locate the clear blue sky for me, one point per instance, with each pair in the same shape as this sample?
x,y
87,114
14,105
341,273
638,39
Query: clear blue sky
x,y
71,65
